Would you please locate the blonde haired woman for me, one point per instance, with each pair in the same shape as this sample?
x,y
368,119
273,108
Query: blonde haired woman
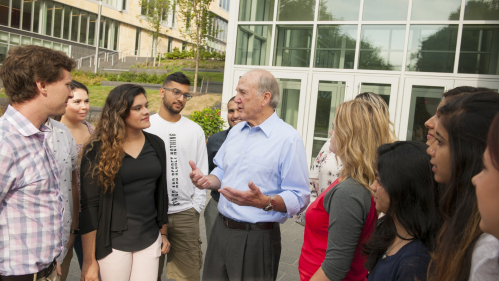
x,y
326,168
343,217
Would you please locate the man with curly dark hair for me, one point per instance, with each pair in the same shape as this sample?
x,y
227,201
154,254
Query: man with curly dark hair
x,y
37,82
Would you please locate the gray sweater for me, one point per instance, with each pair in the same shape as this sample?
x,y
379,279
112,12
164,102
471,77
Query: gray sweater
x,y
348,205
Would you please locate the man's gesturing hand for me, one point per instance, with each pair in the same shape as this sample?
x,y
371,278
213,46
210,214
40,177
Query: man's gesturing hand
x,y
197,177
252,197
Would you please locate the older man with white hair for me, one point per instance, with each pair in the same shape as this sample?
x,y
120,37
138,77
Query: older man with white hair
x,y
262,175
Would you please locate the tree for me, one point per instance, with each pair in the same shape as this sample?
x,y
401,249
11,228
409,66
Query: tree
x,y
198,25
155,12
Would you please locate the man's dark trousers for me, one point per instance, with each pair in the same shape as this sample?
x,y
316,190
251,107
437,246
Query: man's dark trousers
x,y
236,254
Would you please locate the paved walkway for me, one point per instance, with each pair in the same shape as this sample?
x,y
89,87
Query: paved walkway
x,y
292,240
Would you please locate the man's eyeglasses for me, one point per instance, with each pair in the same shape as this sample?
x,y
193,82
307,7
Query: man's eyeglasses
x,y
177,93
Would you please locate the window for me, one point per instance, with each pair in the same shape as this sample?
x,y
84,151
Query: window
x,y
256,10
384,10
36,16
66,22
91,29
293,45
4,15
440,10
479,49
253,44
224,4
15,16
382,47
330,10
27,7
75,18
83,26
118,4
432,48
335,46
137,41
48,18
3,45
288,106
481,10
58,20
170,41
296,10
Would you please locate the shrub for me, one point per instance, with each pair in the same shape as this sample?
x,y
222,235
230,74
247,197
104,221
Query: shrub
x,y
209,119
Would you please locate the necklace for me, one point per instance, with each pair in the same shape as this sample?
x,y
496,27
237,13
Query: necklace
x,y
391,248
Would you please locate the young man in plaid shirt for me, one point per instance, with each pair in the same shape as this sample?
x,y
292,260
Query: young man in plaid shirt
x,y
37,82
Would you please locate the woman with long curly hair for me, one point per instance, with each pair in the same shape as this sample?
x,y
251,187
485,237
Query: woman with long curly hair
x,y
343,216
406,192
456,156
124,196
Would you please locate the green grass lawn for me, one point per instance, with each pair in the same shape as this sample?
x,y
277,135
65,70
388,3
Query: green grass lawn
x,y
98,95
214,76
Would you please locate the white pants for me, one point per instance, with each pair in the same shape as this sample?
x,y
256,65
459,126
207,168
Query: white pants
x,y
132,266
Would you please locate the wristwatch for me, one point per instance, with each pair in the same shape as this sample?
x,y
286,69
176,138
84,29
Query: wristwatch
x,y
270,206
74,231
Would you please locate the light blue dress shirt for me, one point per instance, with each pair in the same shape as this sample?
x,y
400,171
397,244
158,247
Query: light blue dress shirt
x,y
272,155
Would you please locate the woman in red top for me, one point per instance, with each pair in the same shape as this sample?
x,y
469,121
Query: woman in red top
x,y
343,216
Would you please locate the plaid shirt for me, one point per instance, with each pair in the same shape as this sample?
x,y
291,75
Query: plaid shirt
x,y
31,203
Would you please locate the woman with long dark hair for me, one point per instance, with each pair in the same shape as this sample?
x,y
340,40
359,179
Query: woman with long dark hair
x,y
405,191
123,192
456,156
487,193
75,119
431,123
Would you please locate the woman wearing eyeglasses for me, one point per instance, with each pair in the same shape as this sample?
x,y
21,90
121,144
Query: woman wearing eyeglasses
x,y
185,140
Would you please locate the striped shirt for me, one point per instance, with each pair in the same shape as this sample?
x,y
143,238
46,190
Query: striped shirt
x,y
31,202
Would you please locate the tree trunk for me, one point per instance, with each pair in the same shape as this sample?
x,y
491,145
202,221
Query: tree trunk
x,y
155,51
197,58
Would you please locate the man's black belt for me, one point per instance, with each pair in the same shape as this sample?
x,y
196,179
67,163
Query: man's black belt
x,y
29,277
246,225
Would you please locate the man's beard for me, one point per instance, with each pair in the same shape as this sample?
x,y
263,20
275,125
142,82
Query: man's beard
x,y
170,108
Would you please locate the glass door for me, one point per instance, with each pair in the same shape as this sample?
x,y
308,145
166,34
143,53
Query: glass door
x,y
385,86
420,102
328,91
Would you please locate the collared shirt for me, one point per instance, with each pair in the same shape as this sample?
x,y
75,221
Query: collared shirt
x,y
63,146
31,203
272,155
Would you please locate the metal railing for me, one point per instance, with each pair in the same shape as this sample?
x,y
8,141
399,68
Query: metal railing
x,y
122,56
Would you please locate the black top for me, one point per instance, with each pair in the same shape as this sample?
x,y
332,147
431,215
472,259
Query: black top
x,y
213,145
409,263
107,213
139,176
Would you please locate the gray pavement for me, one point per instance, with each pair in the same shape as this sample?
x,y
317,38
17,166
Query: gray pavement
x,y
291,240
